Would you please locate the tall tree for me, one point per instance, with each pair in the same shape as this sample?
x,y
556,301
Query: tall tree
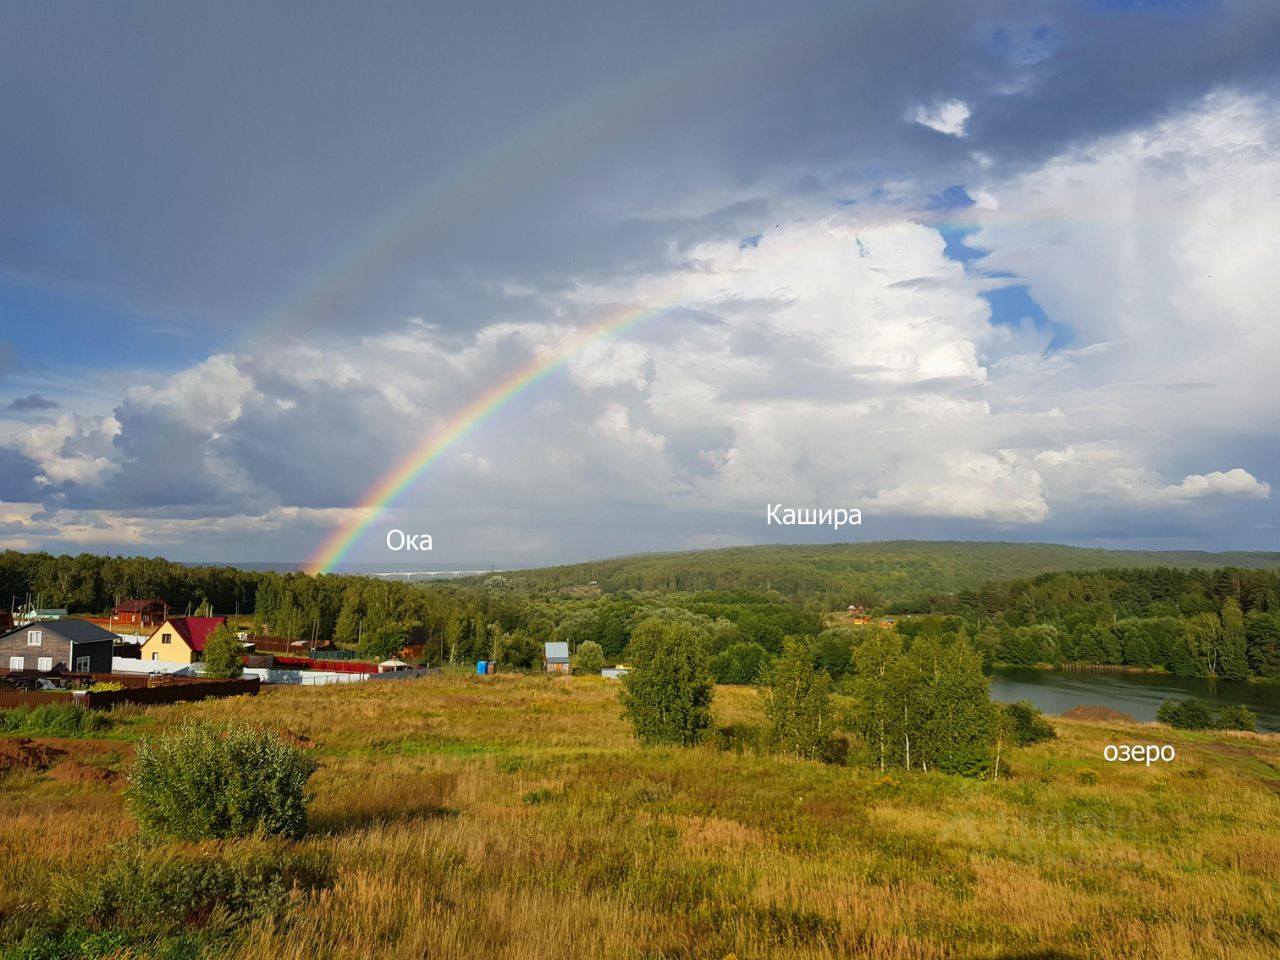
x,y
874,712
1235,657
798,701
667,692
1262,633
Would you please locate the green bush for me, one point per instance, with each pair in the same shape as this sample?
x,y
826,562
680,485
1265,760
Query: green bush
x,y
589,659
201,781
1027,724
1190,714
740,663
1237,718
385,642
223,656
53,720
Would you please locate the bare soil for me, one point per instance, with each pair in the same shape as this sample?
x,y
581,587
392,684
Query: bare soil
x,y
71,761
1097,714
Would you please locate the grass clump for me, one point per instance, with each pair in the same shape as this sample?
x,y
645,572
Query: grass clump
x,y
139,900
54,720
211,781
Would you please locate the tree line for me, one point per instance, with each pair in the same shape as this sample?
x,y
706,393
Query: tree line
x,y
921,704
1223,622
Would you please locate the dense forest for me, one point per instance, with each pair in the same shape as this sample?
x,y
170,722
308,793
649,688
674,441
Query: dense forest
x,y
743,603
889,574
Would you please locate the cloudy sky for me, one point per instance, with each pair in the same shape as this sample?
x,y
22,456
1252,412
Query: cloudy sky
x,y
985,270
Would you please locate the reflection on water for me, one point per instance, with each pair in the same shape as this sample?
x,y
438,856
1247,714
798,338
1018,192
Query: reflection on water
x,y
1137,694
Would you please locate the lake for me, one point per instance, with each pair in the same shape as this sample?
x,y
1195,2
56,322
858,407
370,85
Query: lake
x,y
1137,694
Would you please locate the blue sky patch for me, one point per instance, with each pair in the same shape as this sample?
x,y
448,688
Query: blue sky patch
x,y
1012,306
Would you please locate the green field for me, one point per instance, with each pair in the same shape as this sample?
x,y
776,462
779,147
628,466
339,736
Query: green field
x,y
516,817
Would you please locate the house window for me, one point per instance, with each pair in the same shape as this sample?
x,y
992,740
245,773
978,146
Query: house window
x,y
155,656
15,663
44,663
82,664
35,638
165,637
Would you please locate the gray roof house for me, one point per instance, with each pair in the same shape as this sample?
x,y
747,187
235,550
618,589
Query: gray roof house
x,y
57,645
556,656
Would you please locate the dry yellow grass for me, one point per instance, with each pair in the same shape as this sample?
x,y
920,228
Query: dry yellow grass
x,y
516,819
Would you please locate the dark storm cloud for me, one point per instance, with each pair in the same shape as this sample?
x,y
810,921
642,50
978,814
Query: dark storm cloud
x,y
32,402
215,164
18,477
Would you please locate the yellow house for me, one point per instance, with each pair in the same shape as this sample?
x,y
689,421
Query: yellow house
x,y
180,639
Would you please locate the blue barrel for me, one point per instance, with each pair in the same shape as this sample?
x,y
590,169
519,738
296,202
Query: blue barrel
x,y
482,667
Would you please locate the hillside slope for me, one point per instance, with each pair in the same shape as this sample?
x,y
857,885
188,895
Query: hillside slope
x,y
876,571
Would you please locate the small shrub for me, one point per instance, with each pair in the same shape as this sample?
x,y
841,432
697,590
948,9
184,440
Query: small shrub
x,y
1190,714
105,686
1027,723
1086,777
197,782
1237,718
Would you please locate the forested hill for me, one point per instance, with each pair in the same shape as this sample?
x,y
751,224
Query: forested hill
x,y
867,573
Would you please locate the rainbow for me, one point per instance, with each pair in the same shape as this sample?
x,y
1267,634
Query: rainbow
x,y
544,141
401,477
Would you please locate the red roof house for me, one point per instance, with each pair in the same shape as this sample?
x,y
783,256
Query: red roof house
x,y
144,613
181,639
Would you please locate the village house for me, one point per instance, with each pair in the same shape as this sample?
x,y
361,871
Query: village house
x,y
57,646
180,639
144,614
556,657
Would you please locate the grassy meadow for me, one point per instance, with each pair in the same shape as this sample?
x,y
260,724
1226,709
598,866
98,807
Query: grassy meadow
x,y
515,818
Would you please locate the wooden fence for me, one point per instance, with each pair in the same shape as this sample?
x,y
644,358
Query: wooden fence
x,y
170,690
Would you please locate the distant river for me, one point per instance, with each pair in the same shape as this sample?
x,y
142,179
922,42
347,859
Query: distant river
x,y
1137,694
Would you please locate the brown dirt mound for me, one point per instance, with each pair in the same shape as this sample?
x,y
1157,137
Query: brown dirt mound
x,y
23,753
70,771
1099,714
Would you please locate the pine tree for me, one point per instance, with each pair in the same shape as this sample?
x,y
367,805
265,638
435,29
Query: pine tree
x,y
1235,659
1262,633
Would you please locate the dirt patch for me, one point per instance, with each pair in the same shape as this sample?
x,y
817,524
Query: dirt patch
x,y
1097,714
296,739
23,753
71,761
72,771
